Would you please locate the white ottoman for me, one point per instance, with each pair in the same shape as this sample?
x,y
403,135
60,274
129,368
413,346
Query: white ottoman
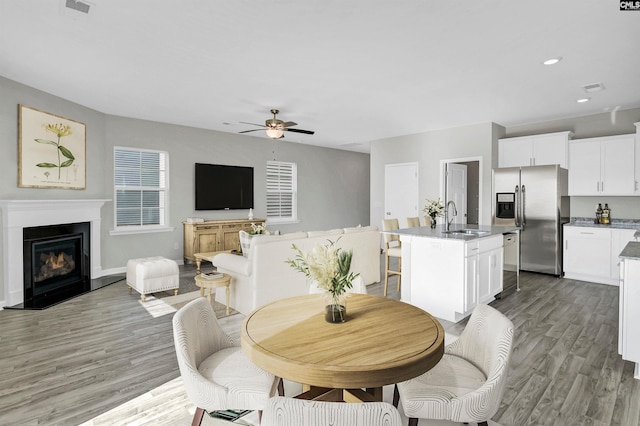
x,y
152,274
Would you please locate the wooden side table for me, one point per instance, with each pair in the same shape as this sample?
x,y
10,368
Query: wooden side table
x,y
211,284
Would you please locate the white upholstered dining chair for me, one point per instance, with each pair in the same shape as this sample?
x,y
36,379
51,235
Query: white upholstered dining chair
x,y
468,383
281,411
392,249
216,373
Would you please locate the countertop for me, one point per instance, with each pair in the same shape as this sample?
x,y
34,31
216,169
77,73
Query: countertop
x,y
615,223
631,251
439,232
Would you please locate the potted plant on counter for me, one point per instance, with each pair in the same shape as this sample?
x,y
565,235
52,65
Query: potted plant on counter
x,y
434,208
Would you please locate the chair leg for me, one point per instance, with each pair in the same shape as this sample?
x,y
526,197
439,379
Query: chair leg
x,y
281,387
197,417
413,421
396,396
386,273
400,272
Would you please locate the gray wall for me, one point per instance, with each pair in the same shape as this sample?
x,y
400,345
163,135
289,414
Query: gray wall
x,y
591,126
428,149
333,184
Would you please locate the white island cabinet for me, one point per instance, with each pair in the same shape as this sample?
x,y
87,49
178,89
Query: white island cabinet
x,y
448,277
629,314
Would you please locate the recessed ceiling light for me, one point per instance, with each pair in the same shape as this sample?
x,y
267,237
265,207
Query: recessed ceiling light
x,y
553,61
583,100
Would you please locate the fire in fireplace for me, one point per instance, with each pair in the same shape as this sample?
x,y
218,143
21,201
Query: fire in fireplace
x,y
56,263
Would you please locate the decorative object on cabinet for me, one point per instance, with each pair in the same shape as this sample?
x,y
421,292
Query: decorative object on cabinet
x,y
535,150
46,163
214,235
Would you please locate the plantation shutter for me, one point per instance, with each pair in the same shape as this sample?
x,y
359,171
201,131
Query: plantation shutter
x,y
281,191
140,188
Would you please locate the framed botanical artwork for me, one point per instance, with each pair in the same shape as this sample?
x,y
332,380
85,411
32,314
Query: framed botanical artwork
x,y
51,150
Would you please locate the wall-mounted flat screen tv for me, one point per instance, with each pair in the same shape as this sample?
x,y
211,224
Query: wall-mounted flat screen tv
x,y
220,187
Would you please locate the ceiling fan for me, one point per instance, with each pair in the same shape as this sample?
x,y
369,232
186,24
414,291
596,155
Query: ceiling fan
x,y
275,127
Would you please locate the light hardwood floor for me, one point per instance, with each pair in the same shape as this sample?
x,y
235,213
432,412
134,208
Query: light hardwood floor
x,y
103,351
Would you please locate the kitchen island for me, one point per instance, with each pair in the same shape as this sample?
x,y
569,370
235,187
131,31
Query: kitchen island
x,y
449,272
629,315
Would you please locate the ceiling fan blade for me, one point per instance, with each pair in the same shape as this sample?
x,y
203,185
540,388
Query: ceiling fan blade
x,y
289,124
252,130
306,132
253,124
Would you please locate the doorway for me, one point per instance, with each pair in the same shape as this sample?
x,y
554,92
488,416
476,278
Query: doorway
x,y
461,183
401,192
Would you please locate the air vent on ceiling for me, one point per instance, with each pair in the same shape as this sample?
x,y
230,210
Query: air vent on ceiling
x,y
78,5
595,87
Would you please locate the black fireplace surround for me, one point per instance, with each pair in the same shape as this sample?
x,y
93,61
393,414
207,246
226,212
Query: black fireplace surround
x,y
56,263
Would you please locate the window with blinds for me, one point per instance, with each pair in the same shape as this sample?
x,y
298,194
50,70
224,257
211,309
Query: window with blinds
x,y
140,188
282,185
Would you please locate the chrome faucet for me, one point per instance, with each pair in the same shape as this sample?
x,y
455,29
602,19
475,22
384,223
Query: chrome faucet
x,y
446,213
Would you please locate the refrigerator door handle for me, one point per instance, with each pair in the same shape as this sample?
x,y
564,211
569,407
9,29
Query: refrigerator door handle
x,y
523,208
517,206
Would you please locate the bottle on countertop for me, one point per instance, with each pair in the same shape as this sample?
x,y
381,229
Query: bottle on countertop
x,y
599,213
606,214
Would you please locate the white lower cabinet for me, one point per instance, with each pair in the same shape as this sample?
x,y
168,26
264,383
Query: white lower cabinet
x,y
629,314
591,253
449,277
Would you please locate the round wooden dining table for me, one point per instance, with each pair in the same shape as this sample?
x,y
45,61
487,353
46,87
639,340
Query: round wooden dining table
x,y
383,341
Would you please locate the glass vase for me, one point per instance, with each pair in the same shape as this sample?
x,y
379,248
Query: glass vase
x,y
433,222
336,309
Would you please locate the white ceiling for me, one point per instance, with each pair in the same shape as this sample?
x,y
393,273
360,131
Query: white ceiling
x,y
352,70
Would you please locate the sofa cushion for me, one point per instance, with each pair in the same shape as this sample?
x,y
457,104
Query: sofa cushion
x,y
332,232
360,229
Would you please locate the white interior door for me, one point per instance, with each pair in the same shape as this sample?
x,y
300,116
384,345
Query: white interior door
x,y
456,190
401,192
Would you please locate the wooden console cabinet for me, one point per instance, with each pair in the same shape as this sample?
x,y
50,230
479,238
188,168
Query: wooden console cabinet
x,y
214,235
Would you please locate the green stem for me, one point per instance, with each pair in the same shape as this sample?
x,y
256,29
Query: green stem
x,y
58,149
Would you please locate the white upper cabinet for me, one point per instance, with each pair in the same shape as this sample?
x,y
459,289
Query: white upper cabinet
x,y
602,166
536,150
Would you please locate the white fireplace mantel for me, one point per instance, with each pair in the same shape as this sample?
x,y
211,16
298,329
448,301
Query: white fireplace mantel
x,y
20,214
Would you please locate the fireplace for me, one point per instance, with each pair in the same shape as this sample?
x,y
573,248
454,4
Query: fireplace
x,y
56,263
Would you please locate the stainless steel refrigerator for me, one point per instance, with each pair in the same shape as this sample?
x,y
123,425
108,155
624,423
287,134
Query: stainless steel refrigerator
x,y
536,200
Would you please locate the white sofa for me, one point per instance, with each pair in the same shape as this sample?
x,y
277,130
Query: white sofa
x,y
263,276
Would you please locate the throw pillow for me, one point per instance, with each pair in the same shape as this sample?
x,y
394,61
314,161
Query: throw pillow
x,y
245,243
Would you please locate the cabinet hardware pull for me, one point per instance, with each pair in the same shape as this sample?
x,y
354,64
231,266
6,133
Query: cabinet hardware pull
x,y
587,233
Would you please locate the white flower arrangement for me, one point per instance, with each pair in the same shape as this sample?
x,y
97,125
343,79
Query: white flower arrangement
x,y
258,229
328,266
434,208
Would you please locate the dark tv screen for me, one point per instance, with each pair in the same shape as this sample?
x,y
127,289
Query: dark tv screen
x,y
220,187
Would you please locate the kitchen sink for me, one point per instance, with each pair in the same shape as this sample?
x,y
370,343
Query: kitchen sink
x,y
467,232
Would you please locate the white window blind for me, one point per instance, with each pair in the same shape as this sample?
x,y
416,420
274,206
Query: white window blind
x,y
282,183
140,187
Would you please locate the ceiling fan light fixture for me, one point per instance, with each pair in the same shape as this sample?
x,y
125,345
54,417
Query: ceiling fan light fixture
x,y
275,133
